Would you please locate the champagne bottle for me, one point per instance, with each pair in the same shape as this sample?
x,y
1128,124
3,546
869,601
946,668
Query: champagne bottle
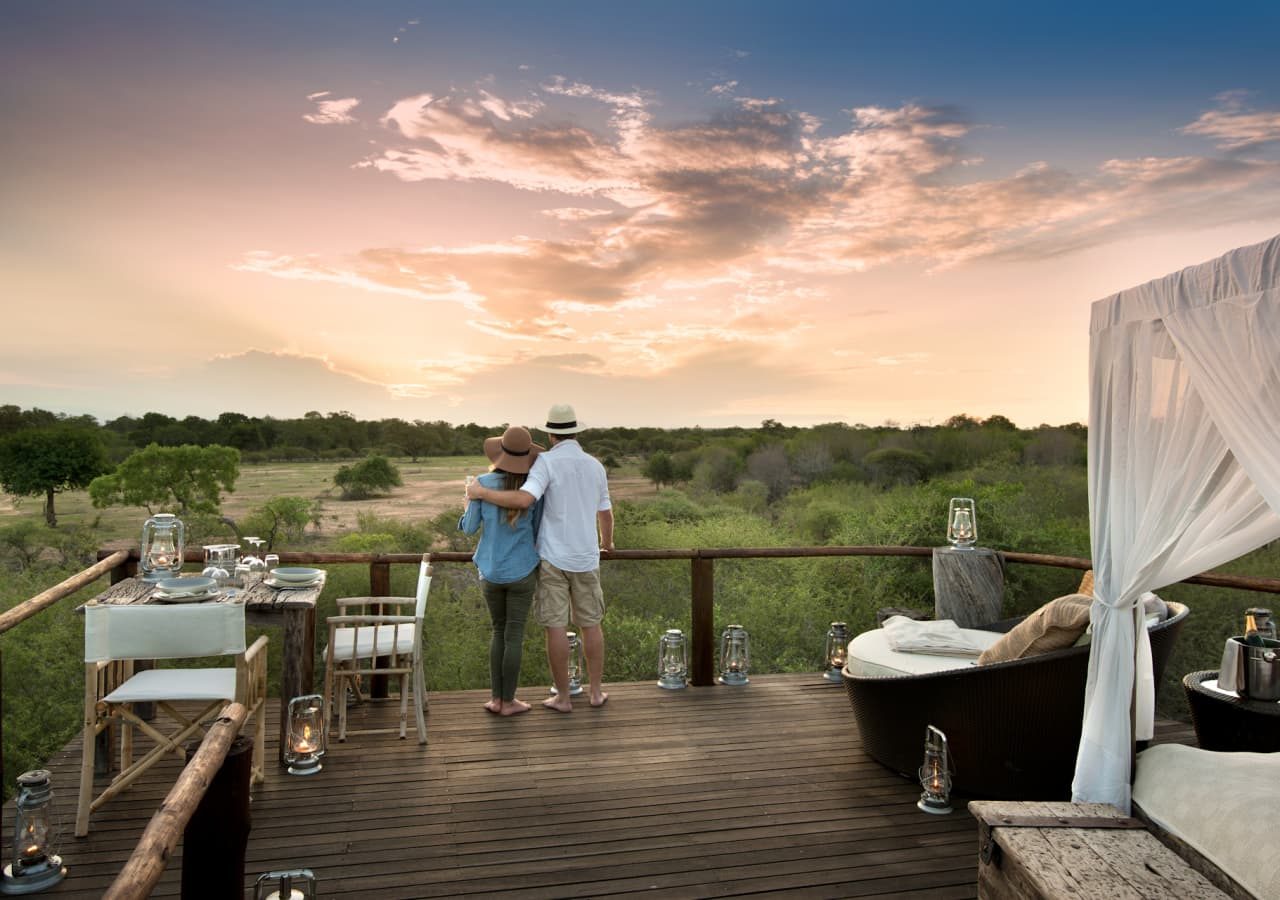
x,y
1251,635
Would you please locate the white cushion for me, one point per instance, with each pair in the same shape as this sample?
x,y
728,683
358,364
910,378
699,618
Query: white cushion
x,y
870,654
1221,804
404,641
176,684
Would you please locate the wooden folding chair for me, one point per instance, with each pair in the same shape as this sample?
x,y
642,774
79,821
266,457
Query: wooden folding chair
x,y
365,643
115,636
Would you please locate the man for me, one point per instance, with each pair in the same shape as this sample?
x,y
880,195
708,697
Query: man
x,y
576,504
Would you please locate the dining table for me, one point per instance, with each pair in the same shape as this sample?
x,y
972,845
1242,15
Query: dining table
x,y
291,608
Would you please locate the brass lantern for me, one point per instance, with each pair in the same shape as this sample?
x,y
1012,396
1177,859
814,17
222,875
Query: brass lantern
x,y
935,773
735,656
306,735
673,660
575,666
163,543
33,867
837,651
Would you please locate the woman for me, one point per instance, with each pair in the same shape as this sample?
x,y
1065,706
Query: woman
x,y
507,560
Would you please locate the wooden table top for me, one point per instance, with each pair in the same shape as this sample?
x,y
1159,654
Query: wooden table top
x,y
258,598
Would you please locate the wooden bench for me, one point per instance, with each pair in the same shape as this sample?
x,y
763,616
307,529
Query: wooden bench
x,y
1047,850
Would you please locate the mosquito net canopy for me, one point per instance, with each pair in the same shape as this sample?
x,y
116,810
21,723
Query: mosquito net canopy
x,y
1184,470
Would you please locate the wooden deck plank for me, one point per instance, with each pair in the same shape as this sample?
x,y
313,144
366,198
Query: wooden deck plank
x,y
706,792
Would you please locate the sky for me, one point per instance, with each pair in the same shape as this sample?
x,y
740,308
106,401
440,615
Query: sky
x,y
664,213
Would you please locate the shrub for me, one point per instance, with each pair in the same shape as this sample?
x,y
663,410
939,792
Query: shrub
x,y
372,475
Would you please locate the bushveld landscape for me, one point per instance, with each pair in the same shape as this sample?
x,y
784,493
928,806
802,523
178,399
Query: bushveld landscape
x,y
767,487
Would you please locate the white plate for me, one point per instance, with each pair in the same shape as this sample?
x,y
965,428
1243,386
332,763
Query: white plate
x,y
295,574
289,585
186,598
189,584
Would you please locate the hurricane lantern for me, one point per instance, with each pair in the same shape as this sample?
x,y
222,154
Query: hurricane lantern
x,y
33,867
837,651
295,884
735,655
673,660
962,523
163,543
306,735
575,666
935,773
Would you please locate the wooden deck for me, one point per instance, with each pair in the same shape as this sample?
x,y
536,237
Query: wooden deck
x,y
706,792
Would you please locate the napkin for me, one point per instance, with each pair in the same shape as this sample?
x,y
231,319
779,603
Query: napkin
x,y
939,638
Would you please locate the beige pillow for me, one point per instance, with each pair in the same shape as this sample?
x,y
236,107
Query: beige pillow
x,y
1057,624
1086,584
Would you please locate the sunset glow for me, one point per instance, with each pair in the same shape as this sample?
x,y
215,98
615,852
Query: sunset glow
x,y
665,213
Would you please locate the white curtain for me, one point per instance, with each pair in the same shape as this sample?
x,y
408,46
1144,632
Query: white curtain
x,y
1184,470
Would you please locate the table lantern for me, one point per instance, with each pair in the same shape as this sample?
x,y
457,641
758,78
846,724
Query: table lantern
x,y
33,867
735,655
962,523
673,660
163,543
837,651
306,735
935,773
295,884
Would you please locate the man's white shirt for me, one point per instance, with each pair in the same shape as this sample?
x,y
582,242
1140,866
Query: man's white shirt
x,y
575,487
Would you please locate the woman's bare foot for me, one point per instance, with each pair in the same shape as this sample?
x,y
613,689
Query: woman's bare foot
x,y
557,704
600,700
494,705
514,707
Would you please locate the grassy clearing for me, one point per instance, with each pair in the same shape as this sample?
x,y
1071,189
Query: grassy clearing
x,y
431,486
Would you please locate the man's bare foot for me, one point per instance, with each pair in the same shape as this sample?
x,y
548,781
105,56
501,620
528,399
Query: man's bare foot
x,y
600,700
557,704
514,707
494,705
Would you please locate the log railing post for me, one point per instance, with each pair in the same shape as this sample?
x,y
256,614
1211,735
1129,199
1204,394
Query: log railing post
x,y
379,586
702,662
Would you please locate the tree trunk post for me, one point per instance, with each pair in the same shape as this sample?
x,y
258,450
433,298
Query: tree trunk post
x,y
215,840
702,661
968,585
380,586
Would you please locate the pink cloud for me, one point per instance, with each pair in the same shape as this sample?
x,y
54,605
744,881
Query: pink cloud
x,y
1234,126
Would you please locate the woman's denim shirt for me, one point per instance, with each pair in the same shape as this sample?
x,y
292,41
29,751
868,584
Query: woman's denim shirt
x,y
505,553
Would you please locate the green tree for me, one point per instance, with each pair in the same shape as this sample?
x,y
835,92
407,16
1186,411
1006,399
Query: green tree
x,y
893,465
47,461
659,469
280,517
189,478
372,475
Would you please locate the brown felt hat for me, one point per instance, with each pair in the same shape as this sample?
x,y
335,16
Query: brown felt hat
x,y
514,452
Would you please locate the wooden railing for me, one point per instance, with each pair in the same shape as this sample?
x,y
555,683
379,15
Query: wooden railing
x,y
702,638
161,836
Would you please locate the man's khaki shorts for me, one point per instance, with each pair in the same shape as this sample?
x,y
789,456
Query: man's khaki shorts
x,y
560,591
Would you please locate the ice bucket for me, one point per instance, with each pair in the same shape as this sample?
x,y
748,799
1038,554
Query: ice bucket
x,y
1261,671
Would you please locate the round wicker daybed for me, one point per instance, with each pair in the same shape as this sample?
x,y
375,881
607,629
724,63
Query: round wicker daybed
x,y
1013,728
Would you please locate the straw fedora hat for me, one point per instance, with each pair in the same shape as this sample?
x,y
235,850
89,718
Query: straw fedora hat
x,y
561,419
514,452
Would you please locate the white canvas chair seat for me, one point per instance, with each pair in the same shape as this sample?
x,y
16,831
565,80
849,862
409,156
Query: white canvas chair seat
x,y
116,636
363,643
175,684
